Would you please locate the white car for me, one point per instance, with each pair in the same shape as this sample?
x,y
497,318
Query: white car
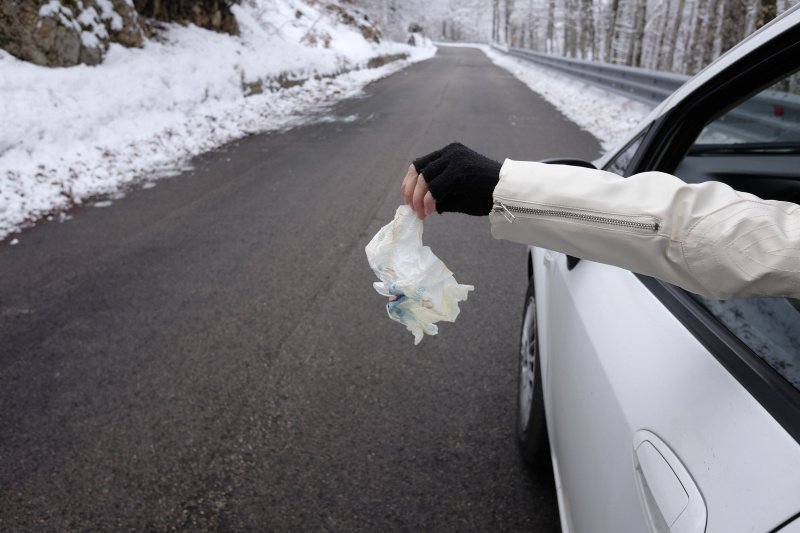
x,y
661,410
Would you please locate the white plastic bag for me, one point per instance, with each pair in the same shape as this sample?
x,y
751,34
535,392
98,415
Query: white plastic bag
x,y
420,288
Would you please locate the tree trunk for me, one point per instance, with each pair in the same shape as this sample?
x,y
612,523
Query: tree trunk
x,y
509,10
551,8
768,10
495,20
684,59
532,27
637,35
570,35
611,31
733,24
656,55
586,43
711,32
696,43
673,41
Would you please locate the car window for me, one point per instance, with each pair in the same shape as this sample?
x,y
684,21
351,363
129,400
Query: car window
x,y
755,147
768,326
620,163
769,120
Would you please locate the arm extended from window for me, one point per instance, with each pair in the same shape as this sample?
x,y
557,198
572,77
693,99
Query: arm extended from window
x,y
707,238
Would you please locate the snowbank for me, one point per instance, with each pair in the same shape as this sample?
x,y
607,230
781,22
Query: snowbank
x,y
71,134
607,116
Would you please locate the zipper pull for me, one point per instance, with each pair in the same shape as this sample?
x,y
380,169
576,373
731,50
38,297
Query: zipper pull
x,y
503,210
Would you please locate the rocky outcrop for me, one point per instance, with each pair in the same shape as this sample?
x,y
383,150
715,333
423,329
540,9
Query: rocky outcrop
x,y
210,14
354,17
64,33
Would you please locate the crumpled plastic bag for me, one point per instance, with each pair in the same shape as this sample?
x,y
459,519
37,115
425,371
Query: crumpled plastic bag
x,y
420,288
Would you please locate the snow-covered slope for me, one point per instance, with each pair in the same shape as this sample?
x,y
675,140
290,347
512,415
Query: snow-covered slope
x,y
71,134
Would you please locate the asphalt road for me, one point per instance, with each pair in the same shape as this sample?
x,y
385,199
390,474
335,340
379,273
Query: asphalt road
x,y
209,354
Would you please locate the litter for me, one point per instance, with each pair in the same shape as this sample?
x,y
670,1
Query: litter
x,y
420,288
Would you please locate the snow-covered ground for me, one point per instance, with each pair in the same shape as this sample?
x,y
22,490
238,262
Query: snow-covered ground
x,y
73,135
70,135
607,116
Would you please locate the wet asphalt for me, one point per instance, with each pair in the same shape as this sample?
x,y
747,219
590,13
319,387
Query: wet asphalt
x,y
209,354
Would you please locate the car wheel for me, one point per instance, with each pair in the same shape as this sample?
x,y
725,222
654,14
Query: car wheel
x,y
531,425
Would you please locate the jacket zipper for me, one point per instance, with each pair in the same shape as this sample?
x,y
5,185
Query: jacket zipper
x,y
508,212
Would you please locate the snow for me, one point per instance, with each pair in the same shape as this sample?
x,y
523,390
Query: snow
x,y
72,134
607,116
54,8
49,9
108,13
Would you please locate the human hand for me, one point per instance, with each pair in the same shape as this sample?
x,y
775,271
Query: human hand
x,y
416,193
454,178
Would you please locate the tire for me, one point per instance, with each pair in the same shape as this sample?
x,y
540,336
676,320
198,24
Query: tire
x,y
531,425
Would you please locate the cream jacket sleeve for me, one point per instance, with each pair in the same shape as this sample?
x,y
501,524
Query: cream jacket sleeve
x,y
707,238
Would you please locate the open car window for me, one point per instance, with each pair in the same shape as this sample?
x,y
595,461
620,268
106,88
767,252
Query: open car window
x,y
755,148
768,122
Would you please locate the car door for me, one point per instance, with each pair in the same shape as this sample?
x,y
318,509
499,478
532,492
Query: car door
x,y
668,412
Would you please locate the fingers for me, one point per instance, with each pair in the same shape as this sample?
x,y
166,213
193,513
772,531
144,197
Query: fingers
x,y
429,203
409,183
421,162
416,193
434,169
418,197
423,170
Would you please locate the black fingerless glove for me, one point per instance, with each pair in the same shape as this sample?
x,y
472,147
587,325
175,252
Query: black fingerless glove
x,y
460,180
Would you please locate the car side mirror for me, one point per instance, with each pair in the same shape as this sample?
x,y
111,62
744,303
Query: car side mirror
x,y
571,261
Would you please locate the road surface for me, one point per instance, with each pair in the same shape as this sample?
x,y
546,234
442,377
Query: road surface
x,y
209,354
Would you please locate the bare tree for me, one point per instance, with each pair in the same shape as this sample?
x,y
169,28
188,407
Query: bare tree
x,y
532,21
586,44
694,44
664,34
710,33
637,33
732,27
508,12
611,30
677,35
495,20
570,33
654,34
551,22
767,10
669,58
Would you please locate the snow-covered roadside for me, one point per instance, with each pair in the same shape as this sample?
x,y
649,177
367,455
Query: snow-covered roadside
x,y
607,116
71,134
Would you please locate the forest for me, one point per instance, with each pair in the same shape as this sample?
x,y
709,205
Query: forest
x,y
680,36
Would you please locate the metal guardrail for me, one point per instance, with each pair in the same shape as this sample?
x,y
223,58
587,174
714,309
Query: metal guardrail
x,y
647,86
768,116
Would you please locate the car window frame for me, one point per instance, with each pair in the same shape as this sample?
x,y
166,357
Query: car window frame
x,y
637,140
665,144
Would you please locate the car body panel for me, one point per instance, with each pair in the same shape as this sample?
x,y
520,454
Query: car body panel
x,y
619,369
615,361
791,527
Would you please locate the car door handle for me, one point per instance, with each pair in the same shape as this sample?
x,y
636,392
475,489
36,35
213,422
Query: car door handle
x,y
671,499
